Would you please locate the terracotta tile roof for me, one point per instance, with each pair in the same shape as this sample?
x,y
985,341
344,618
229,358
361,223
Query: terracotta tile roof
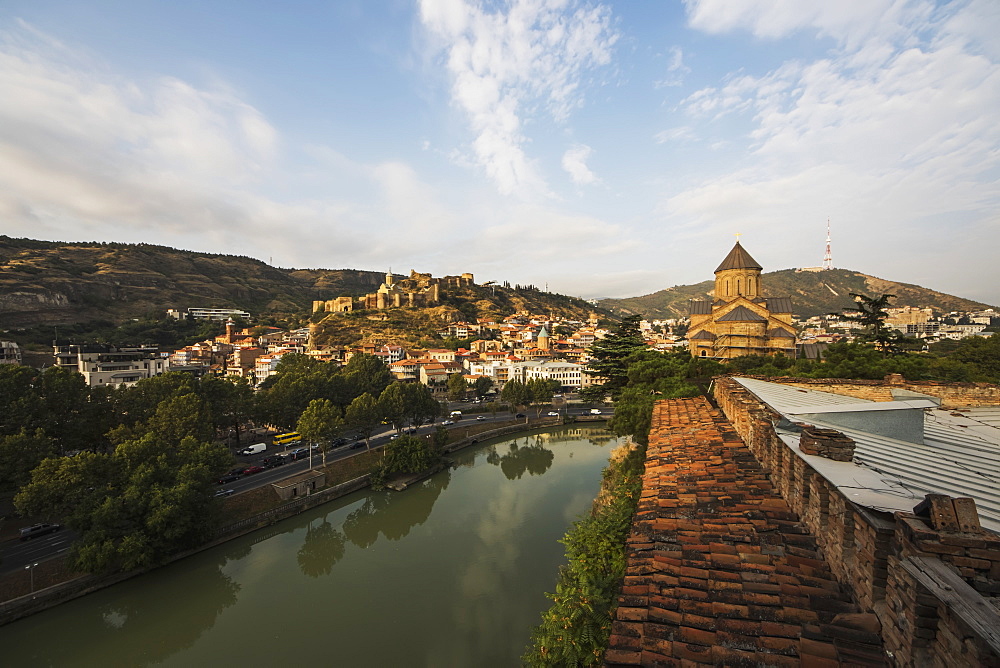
x,y
720,571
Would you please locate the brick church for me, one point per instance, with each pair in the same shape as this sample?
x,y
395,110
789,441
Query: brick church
x,y
739,321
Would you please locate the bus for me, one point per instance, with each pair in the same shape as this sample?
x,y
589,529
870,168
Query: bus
x,y
287,439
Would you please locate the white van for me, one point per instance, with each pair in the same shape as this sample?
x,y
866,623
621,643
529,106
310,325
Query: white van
x,y
455,415
254,449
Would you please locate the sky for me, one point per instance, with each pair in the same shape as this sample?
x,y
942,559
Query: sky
x,y
597,149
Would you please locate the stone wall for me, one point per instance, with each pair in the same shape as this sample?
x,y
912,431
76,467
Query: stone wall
x,y
894,565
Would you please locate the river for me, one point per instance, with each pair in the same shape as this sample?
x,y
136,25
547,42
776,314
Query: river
x,y
450,572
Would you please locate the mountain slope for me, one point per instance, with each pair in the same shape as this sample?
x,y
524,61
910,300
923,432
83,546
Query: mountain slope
x,y
812,293
56,283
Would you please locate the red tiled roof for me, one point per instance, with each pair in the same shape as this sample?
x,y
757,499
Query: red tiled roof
x,y
720,571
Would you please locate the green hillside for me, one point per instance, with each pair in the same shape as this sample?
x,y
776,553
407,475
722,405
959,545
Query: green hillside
x,y
44,283
812,293
50,283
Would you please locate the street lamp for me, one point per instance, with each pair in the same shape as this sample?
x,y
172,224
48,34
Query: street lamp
x,y
31,572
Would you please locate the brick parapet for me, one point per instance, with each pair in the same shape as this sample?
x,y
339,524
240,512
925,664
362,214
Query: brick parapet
x,y
868,551
952,395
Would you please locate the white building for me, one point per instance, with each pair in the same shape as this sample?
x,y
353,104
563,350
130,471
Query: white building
x,y
10,353
104,365
568,374
217,313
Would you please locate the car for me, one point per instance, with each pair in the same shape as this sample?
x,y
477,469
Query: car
x,y
394,437
271,462
250,470
411,430
357,444
337,442
229,477
36,530
595,411
298,453
480,417
519,415
448,422
552,414
225,492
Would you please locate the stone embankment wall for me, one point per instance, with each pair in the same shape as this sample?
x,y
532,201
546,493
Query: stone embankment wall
x,y
930,578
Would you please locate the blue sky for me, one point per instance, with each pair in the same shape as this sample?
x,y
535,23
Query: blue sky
x,y
599,148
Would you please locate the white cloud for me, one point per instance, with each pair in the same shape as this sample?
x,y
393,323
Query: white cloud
x,y
845,20
676,69
681,133
507,65
574,161
895,136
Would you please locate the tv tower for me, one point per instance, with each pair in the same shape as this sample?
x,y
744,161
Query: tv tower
x,y
827,257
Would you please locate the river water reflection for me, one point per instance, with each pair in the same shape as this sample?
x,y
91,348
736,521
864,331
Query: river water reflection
x,y
451,572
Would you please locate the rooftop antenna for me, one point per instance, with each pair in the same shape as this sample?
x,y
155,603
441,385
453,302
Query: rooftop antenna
x,y
827,257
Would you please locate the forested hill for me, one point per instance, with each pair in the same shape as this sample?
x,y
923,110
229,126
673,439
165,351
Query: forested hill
x,y
55,283
812,293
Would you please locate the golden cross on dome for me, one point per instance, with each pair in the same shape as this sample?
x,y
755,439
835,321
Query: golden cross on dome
x,y
738,234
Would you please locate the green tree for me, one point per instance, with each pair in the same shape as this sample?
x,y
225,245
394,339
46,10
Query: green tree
x,y
230,402
320,422
540,391
871,314
364,416
516,394
19,454
457,386
609,356
482,386
420,406
392,404
133,507
408,454
367,373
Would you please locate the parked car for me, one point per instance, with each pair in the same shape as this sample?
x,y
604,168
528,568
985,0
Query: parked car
x,y
229,477
250,470
39,530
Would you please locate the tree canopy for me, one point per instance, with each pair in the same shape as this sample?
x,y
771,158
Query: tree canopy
x,y
609,356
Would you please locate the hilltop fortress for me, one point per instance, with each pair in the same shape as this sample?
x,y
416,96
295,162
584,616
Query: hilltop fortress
x,y
417,290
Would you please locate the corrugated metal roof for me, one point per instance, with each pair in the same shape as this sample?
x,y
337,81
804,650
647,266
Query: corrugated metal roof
x,y
960,455
779,304
700,307
780,332
741,314
738,258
